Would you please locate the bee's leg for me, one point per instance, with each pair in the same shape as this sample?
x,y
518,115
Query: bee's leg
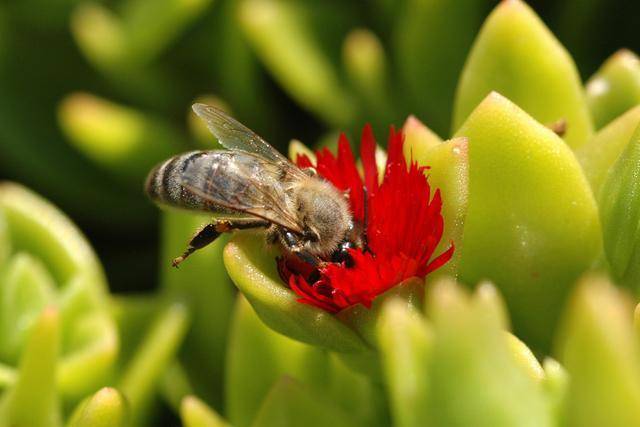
x,y
211,232
293,244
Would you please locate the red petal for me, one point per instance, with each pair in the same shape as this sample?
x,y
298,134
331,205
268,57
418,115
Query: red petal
x,y
368,156
302,161
441,260
404,228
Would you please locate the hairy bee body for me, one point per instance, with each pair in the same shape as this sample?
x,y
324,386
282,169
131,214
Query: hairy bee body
x,y
251,185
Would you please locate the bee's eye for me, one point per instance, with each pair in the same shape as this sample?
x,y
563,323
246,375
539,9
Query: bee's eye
x,y
310,236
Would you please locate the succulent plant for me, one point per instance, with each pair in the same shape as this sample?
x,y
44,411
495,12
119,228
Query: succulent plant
x,y
523,178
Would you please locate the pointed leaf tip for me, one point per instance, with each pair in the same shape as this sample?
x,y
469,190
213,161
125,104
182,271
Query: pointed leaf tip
x,y
517,55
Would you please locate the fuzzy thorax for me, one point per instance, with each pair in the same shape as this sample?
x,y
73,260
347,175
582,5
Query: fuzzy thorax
x,y
323,211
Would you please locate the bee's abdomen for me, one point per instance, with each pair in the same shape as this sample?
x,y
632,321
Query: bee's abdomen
x,y
164,183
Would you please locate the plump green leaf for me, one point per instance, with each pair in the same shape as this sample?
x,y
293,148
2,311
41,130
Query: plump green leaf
x,y
253,269
367,69
430,51
175,385
360,396
151,25
124,141
516,54
202,283
475,379
620,212
598,347
33,401
524,357
143,372
405,344
599,154
614,88
532,223
5,239
135,37
38,228
196,413
281,37
364,320
106,408
91,347
555,384
257,357
27,289
291,404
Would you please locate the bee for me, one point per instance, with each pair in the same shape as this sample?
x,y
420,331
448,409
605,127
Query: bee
x,y
251,185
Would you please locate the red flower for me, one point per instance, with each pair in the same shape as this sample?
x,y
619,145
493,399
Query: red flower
x,y
404,227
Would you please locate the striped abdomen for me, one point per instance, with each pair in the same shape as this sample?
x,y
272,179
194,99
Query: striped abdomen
x,y
164,184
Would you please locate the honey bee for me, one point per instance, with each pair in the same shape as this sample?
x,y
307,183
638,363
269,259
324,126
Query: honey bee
x,y
251,185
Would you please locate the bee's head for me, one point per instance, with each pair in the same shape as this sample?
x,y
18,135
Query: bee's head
x,y
325,216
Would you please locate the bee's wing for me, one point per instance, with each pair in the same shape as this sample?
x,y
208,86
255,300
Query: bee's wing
x,y
235,136
244,183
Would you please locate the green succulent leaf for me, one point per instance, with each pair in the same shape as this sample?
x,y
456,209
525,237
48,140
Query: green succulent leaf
x,y
133,313
532,223
27,290
144,371
280,37
151,25
614,88
600,153
131,40
367,69
360,396
290,404
525,358
175,385
5,239
620,212
54,264
364,320
405,344
32,401
8,376
555,384
196,413
470,361
257,357
598,347
92,345
202,283
430,53
253,270
38,228
106,408
120,139
516,54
